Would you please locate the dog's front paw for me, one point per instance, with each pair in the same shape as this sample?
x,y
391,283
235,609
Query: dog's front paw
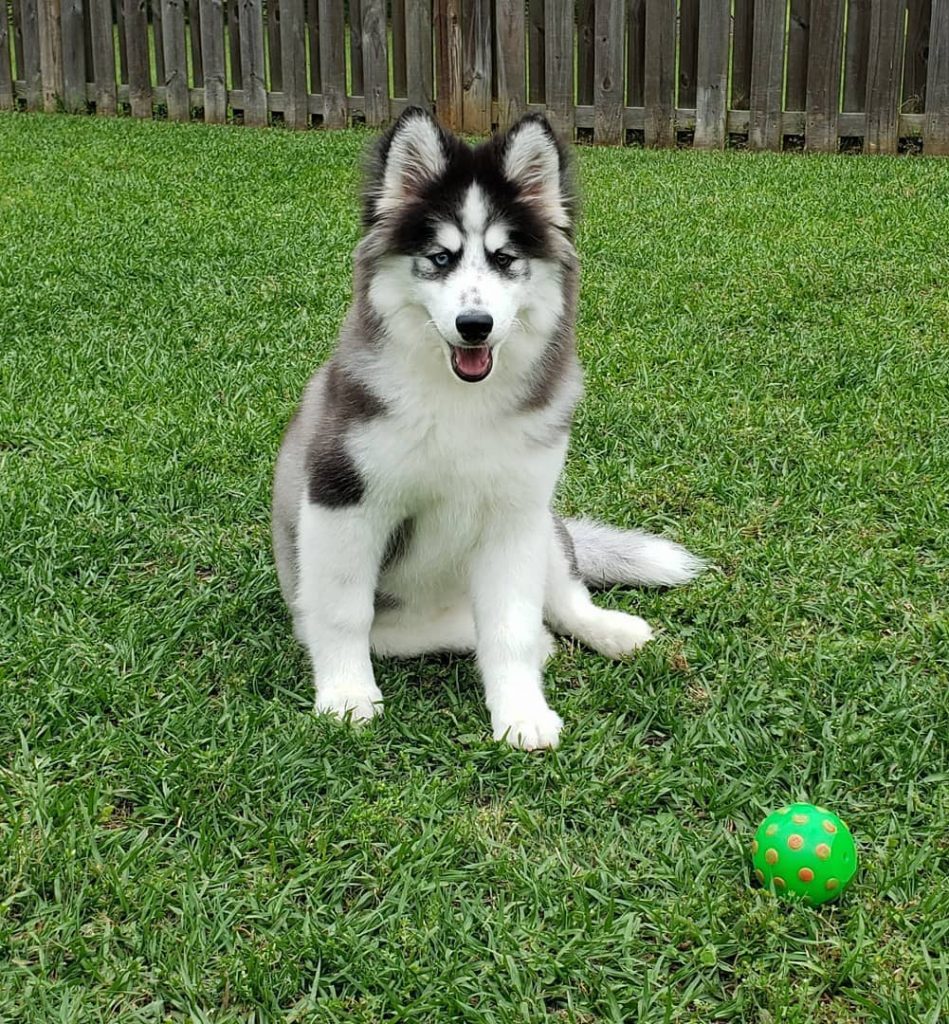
x,y
357,703
531,728
617,634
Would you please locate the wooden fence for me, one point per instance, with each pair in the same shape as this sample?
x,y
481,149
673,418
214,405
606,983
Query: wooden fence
x,y
764,73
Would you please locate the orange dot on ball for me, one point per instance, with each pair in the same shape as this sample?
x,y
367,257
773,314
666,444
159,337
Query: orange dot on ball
x,y
831,884
795,842
771,856
754,845
822,850
799,819
760,876
829,826
770,830
806,875
780,882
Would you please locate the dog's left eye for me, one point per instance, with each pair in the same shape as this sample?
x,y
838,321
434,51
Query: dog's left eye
x,y
503,259
440,259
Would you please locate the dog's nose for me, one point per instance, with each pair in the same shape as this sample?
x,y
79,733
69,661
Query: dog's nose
x,y
474,326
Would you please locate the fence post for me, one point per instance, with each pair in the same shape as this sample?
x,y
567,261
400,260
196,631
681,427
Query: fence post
x,y
375,56
30,39
711,99
936,121
608,72
293,44
252,62
51,53
884,75
512,80
103,56
74,56
659,86
767,76
212,45
558,33
823,76
476,73
448,62
333,62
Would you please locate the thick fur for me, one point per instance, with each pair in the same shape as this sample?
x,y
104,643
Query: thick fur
x,y
413,489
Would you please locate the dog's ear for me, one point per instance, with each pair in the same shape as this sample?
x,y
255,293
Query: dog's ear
x,y
536,163
411,155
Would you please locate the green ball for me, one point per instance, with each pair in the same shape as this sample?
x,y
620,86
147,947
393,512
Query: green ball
x,y
804,851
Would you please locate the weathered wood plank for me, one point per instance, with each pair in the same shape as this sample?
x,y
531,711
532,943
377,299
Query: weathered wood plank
x,y
274,47
418,53
688,51
158,44
659,84
16,31
537,49
333,63
823,76
400,76
355,46
936,118
313,37
476,69
51,54
711,99
194,41
586,56
512,68
177,98
234,42
559,66
118,16
767,75
375,61
608,72
884,76
7,101
856,51
293,47
635,52
212,43
919,17
103,56
140,72
799,32
30,39
448,63
74,56
252,61
742,47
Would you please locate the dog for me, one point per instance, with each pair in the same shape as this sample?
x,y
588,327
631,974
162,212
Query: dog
x,y
412,493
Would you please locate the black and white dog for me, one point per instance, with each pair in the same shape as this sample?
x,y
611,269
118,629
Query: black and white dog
x,y
412,496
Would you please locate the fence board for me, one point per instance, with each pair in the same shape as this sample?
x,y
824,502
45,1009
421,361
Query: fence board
x,y
103,56
635,52
476,73
586,57
742,46
293,48
355,47
659,83
688,51
158,42
17,32
30,38
51,53
767,75
558,31
711,100
6,73
74,56
448,62
333,62
936,120
608,68
177,99
823,76
118,14
313,44
418,52
919,16
212,43
234,42
537,34
799,32
375,61
140,72
273,47
884,76
252,62
855,55
195,19
509,45
399,69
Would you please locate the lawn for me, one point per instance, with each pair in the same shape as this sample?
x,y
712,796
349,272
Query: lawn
x,y
181,839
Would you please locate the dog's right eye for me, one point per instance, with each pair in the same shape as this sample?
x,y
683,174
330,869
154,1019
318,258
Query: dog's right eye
x,y
441,259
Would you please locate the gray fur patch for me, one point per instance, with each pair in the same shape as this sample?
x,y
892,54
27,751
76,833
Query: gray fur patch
x,y
560,358
566,543
397,546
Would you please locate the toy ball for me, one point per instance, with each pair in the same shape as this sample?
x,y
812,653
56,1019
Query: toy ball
x,y
804,851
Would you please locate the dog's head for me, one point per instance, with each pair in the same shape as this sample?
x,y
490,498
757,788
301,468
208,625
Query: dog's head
x,y
475,237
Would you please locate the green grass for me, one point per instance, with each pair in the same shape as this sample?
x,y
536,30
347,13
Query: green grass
x,y
765,339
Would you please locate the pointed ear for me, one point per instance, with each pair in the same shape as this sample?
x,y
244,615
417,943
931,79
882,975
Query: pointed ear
x,y
536,163
412,154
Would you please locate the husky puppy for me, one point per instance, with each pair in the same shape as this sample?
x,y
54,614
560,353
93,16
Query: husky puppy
x,y
412,495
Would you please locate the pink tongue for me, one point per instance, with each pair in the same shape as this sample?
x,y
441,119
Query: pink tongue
x,y
473,361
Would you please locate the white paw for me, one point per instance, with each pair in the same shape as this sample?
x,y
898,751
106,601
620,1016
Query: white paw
x,y
358,702
617,634
529,730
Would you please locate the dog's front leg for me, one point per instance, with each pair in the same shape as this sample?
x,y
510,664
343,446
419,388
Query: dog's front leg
x,y
508,596
339,552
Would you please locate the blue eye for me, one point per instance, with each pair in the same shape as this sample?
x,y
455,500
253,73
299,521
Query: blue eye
x,y
440,259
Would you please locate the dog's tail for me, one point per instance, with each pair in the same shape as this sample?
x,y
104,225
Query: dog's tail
x,y
606,555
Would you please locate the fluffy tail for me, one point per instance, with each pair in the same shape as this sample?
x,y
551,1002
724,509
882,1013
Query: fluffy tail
x,y
606,555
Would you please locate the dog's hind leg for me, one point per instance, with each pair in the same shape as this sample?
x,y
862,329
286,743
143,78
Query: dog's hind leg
x,y
570,611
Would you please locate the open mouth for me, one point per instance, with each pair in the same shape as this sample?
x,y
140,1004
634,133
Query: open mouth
x,y
472,362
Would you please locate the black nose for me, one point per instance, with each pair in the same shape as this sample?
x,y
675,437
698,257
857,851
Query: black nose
x,y
474,326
